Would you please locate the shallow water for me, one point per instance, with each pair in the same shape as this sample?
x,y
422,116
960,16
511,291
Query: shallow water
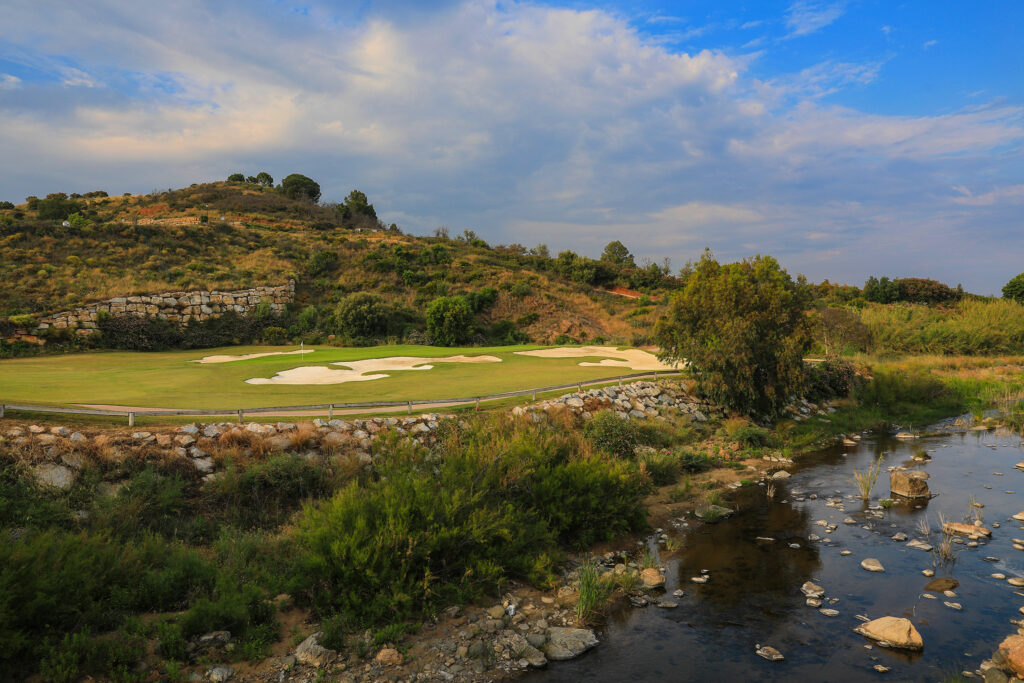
x,y
754,592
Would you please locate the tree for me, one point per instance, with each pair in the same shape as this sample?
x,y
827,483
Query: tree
x,y
265,179
357,203
6,205
1014,289
236,178
743,329
616,254
362,316
298,186
840,327
449,320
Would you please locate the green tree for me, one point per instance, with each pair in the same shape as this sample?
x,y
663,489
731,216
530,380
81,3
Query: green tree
x,y
236,178
357,203
362,316
6,205
1014,289
298,186
616,254
449,320
744,330
265,179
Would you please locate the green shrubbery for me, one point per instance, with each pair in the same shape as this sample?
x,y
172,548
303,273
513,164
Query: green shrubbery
x,y
266,493
971,327
613,434
832,378
428,532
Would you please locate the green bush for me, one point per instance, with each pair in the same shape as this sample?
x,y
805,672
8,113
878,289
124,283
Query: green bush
x,y
613,434
275,336
449,320
693,462
265,493
362,316
236,609
148,502
751,436
830,379
663,467
1014,289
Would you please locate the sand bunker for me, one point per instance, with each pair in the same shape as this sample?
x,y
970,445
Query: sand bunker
x,y
228,359
357,370
634,359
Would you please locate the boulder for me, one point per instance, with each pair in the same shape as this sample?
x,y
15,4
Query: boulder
x,y
911,485
969,530
768,652
894,632
311,653
57,476
566,643
389,656
812,590
652,578
219,674
1012,649
872,565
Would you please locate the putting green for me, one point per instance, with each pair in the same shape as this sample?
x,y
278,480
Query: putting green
x,y
172,380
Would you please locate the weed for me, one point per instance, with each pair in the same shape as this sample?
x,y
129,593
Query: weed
x,y
594,593
865,481
769,490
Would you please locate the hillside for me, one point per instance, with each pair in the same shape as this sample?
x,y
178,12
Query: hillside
x,y
62,251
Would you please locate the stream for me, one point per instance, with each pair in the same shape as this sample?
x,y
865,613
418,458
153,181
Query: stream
x,y
753,594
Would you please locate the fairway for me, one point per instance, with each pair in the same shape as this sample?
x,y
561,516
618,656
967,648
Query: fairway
x,y
174,379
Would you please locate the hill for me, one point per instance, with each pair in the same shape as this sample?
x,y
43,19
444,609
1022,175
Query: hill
x,y
65,250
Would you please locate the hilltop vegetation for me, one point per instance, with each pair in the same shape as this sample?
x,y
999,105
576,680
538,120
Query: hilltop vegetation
x,y
65,250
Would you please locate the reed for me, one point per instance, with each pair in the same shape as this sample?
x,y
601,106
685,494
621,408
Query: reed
x,y
865,481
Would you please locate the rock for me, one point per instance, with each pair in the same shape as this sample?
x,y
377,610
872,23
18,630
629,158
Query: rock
x,y
1012,650
812,590
1019,516
768,652
219,674
845,553
185,440
996,675
77,437
969,530
73,460
652,578
57,476
496,612
872,565
928,572
941,585
536,639
212,431
953,605
204,465
476,649
566,643
909,484
1015,581
163,440
781,474
311,653
829,612
533,656
905,436
919,545
215,638
894,632
900,537
389,656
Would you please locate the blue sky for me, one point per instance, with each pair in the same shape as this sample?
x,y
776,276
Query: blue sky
x,y
845,138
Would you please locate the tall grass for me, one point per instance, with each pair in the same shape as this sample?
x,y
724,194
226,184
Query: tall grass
x,y
969,327
866,480
594,592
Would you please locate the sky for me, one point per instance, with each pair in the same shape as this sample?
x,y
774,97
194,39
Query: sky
x,y
846,138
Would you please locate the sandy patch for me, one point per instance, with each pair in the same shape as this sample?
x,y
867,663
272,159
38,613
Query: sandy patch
x,y
634,359
362,370
229,359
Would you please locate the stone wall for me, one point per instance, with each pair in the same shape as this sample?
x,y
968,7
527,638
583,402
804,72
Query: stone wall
x,y
178,307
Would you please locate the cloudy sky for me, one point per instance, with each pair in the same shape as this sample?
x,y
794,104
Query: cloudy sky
x,y
846,138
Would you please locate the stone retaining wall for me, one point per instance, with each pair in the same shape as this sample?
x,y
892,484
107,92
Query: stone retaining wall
x,y
178,307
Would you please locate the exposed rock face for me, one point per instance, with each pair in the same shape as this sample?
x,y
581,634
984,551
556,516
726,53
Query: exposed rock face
x,y
1012,649
892,631
177,307
311,653
566,643
912,485
56,476
389,656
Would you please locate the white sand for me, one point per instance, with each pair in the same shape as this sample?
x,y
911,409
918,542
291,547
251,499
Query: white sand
x,y
635,359
228,359
356,370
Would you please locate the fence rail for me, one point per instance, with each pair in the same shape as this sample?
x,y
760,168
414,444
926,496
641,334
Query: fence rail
x,y
329,408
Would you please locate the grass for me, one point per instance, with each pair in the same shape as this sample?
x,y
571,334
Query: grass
x,y
594,593
970,327
866,480
170,380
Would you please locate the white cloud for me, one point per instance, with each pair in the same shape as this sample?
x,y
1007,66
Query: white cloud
x,y
8,82
808,16
929,43
1011,194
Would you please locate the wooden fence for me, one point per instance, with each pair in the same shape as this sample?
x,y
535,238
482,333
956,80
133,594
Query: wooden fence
x,y
327,408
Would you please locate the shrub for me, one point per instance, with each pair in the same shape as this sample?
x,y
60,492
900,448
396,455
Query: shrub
x,y
275,336
362,316
743,329
830,379
298,186
449,320
236,609
693,462
264,494
612,433
661,466
149,501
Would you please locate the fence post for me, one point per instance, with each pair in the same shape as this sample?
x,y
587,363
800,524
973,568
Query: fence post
x,y
620,381
1,410
239,416
579,385
655,375
131,419
478,403
534,394
410,407
330,412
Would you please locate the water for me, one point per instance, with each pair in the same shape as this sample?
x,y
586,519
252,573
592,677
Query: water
x,y
754,592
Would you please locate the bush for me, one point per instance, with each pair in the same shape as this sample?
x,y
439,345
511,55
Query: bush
x,y
744,330
1014,289
449,321
275,336
236,609
264,494
830,379
298,186
362,316
613,434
